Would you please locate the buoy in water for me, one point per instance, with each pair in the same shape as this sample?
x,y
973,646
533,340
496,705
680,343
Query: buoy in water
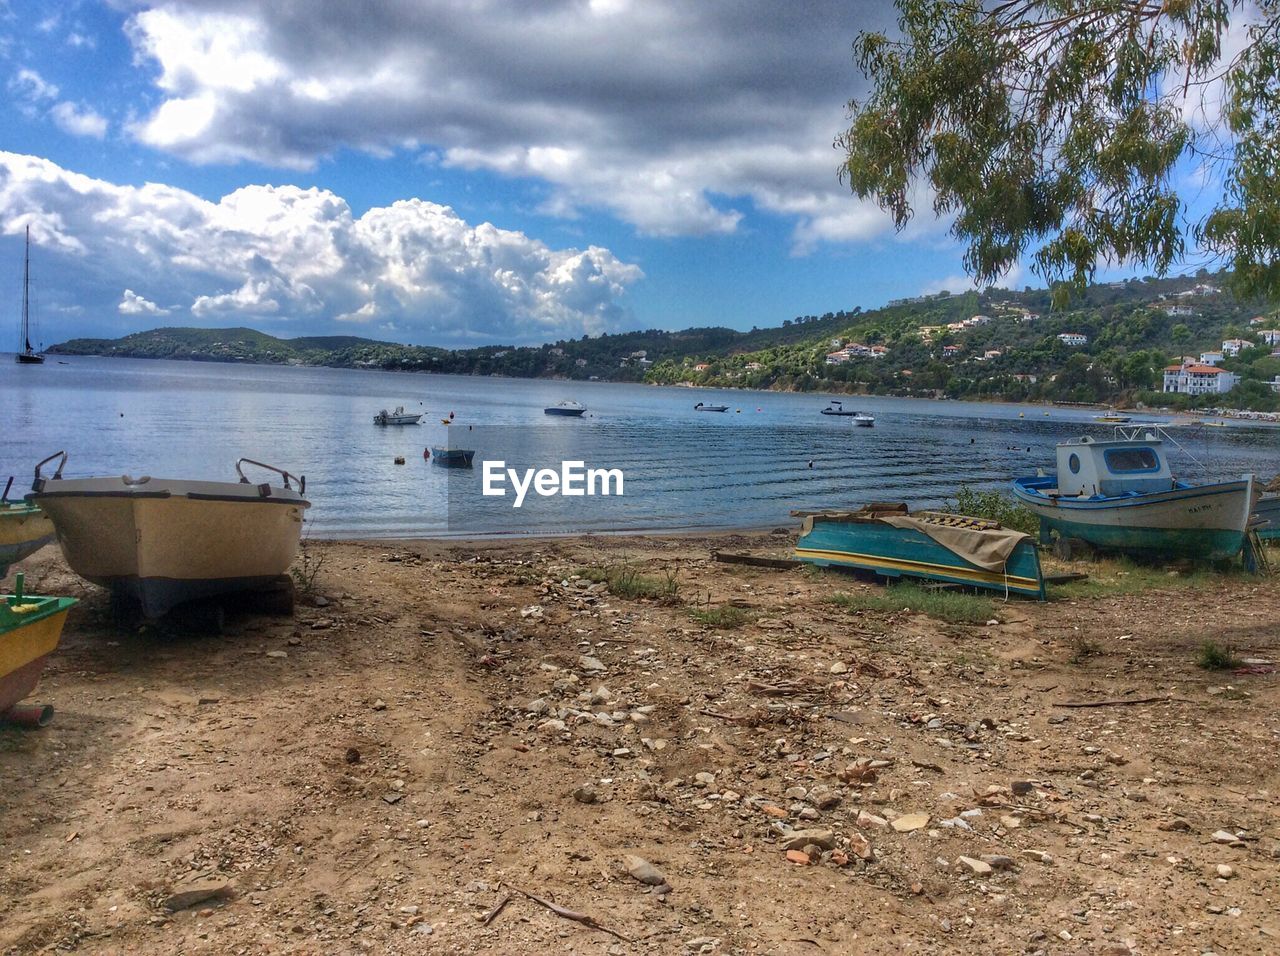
x,y
399,459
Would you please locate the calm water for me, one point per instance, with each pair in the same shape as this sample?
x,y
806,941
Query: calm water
x,y
684,469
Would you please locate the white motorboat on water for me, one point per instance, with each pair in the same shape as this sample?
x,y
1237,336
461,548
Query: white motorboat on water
x,y
165,541
573,409
861,419
703,407
397,417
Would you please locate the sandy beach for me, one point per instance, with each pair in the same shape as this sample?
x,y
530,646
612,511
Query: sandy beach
x,y
444,726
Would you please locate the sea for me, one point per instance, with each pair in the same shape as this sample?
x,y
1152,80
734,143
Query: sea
x,y
683,470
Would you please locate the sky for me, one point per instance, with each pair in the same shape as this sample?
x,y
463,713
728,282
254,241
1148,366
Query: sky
x,y
441,172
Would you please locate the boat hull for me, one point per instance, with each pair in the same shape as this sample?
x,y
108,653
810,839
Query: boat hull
x,y
24,530
566,412
452,457
895,552
396,419
26,646
176,541
1207,522
1268,509
25,358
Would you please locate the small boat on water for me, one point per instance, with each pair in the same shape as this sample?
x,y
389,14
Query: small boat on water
x,y
397,417
1120,495
568,408
30,627
861,419
24,529
702,407
953,549
1113,419
26,355
452,457
165,541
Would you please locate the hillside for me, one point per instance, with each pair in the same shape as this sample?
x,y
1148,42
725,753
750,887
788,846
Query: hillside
x,y
1000,344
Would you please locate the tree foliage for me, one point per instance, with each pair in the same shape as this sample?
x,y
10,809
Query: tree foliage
x,y
1053,128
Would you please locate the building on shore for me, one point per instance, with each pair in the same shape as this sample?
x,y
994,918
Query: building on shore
x,y
1199,380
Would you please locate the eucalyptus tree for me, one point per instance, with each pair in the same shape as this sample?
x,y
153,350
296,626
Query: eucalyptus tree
x,y
1063,129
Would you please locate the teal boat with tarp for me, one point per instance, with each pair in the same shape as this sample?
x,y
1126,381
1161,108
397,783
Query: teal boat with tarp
x,y
952,549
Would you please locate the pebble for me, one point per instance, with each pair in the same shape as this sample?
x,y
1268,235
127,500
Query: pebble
x,y
196,893
1225,836
1039,856
704,779
586,794
798,857
277,654
379,705
911,821
870,820
1225,871
589,663
977,867
998,861
643,871
839,667
798,839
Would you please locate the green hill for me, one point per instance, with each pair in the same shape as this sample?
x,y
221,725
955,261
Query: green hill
x,y
1000,344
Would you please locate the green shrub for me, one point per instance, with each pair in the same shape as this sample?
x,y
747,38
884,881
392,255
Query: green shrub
x,y
956,607
994,506
726,616
1214,657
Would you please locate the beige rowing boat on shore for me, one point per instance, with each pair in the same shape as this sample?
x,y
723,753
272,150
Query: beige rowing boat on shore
x,y
164,541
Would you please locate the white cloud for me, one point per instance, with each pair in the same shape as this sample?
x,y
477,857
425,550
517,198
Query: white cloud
x,y
31,87
78,120
277,254
675,117
133,304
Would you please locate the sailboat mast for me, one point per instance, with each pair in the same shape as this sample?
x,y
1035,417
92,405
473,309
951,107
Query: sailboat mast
x,y
26,294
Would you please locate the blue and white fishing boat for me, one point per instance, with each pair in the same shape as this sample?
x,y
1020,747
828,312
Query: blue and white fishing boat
x,y
1119,495
946,548
566,408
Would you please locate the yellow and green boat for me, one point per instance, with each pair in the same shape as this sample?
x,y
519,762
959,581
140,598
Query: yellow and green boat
x,y
30,627
24,530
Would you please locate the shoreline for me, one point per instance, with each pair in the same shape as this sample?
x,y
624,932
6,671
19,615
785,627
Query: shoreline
x,y
1231,415
439,721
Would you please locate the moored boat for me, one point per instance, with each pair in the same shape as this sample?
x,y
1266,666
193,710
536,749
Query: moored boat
x,y
863,420
837,408
952,549
703,407
1267,509
1120,495
397,417
27,355
30,628
164,541
452,457
24,530
567,408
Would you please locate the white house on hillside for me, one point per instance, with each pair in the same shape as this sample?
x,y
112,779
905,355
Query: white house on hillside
x,y
1210,358
1199,380
1074,339
1233,347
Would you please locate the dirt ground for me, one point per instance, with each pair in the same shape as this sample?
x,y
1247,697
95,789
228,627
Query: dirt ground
x,y
456,724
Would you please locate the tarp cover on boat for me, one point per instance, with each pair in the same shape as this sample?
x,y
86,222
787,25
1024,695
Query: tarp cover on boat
x,y
988,548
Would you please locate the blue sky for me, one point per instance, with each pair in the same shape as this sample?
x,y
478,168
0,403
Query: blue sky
x,y
441,173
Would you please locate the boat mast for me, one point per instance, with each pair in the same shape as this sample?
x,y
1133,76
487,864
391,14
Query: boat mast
x,y
26,295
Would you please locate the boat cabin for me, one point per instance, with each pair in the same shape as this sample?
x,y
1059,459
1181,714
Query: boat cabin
x,y
1110,468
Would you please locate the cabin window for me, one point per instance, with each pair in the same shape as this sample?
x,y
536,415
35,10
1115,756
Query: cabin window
x,y
1127,460
1074,463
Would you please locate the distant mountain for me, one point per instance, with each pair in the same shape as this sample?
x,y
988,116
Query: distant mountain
x,y
1110,346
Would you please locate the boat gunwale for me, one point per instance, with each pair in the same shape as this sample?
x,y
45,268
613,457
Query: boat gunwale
x,y
1030,495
